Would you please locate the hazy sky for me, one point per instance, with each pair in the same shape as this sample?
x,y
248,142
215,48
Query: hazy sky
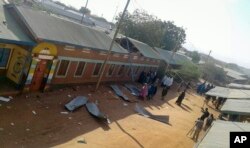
x,y
222,26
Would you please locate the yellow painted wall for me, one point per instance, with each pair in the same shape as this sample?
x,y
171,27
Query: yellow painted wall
x,y
17,62
46,49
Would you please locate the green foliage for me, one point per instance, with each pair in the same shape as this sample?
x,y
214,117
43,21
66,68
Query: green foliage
x,y
149,29
214,74
84,10
195,56
189,72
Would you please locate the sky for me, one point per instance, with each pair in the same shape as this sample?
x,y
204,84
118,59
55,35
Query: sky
x,y
222,26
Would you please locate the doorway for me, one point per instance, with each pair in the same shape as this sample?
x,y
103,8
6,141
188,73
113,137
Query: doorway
x,y
39,75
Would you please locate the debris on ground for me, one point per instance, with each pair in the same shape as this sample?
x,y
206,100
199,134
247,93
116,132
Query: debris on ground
x,y
27,129
125,104
79,123
76,103
12,124
34,112
69,96
4,99
82,141
1,129
11,97
89,94
9,107
70,118
65,113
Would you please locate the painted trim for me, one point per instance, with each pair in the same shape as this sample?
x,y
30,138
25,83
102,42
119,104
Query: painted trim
x,y
64,76
101,61
85,65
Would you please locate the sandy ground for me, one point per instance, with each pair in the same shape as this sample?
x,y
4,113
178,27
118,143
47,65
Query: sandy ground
x,y
20,127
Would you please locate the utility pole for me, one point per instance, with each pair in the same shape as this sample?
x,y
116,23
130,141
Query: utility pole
x,y
111,45
208,56
85,9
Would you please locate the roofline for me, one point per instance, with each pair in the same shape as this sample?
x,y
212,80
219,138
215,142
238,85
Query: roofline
x,y
17,42
65,43
22,19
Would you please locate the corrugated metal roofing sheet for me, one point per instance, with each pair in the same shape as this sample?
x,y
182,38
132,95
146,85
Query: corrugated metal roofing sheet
x,y
10,31
229,93
239,107
145,49
218,135
177,59
235,85
55,29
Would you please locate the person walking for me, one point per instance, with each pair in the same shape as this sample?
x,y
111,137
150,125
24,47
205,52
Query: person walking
x,y
198,127
180,98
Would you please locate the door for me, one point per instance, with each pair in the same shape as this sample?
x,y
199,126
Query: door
x,y
38,75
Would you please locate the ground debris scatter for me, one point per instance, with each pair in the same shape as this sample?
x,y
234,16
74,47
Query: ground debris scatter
x,y
27,123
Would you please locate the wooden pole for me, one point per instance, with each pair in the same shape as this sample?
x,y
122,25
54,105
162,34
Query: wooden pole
x,y
111,45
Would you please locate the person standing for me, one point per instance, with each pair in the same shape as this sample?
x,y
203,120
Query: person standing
x,y
144,91
180,98
198,127
152,91
167,84
205,114
209,121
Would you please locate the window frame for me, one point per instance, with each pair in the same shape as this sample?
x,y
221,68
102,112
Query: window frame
x,y
109,75
94,70
83,70
120,66
66,73
8,60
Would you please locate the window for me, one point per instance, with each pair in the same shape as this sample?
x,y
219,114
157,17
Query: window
x,y
111,69
80,69
4,57
121,70
97,69
129,71
137,69
63,68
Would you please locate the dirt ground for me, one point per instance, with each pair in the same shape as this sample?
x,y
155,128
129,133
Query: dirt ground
x,y
20,127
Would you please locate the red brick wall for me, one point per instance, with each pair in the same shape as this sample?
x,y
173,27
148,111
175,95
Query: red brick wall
x,y
89,67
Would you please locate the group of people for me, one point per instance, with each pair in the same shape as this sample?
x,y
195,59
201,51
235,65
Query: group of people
x,y
148,78
203,88
199,123
216,102
150,82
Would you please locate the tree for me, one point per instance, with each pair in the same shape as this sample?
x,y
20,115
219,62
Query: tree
x,y
214,74
149,29
84,10
189,72
195,56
